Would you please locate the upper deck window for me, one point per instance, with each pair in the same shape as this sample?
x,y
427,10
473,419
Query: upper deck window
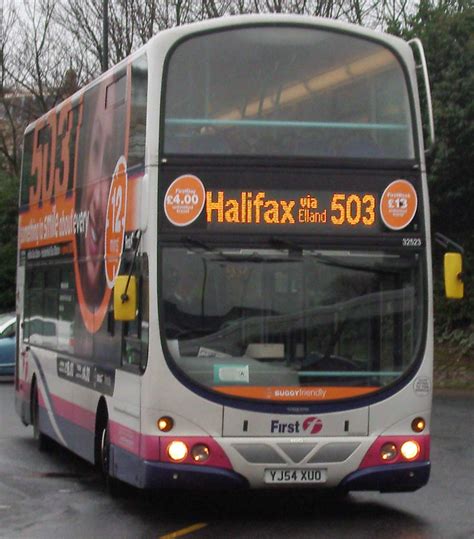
x,y
286,91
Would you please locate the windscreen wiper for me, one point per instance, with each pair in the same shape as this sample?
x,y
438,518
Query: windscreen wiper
x,y
217,254
373,268
195,242
284,243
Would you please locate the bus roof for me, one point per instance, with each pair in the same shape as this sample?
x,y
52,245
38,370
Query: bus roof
x,y
166,39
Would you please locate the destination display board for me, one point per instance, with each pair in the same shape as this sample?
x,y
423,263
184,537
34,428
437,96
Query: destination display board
x,y
313,203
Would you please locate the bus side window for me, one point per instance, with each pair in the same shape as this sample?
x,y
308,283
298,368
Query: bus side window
x,y
135,333
115,94
41,306
27,179
50,307
26,305
137,133
34,305
66,309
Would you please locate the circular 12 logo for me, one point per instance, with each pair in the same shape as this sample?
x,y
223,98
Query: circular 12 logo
x,y
398,204
184,200
115,222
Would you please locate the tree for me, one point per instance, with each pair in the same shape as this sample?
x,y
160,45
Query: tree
x,y
446,29
50,48
8,225
39,68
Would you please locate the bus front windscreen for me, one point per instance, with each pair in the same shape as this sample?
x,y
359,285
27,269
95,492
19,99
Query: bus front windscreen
x,y
291,324
288,91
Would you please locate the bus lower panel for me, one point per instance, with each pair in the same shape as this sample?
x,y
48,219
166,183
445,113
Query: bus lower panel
x,y
76,438
155,475
390,478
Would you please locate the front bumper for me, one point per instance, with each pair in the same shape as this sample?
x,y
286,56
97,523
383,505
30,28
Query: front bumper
x,y
161,475
405,477
185,476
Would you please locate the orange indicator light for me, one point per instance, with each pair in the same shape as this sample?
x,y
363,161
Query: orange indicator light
x,y
418,424
165,424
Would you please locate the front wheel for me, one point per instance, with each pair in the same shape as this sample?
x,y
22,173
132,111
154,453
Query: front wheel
x,y
113,486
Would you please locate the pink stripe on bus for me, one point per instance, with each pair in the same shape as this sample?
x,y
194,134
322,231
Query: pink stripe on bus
x,y
373,456
150,447
124,437
147,447
217,457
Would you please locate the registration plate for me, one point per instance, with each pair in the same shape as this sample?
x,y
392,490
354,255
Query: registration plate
x,y
280,476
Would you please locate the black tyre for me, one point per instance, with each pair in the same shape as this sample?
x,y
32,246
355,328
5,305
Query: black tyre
x,y
112,485
43,442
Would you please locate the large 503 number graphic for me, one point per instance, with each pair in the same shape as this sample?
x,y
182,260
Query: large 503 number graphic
x,y
53,155
352,209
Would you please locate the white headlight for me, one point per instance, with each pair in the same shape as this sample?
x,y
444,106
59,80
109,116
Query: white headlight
x,y
410,450
177,450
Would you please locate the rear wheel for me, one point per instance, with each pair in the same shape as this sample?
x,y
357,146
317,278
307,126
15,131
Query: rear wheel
x,y
43,442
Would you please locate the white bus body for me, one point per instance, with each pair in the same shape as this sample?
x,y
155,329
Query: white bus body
x,y
296,196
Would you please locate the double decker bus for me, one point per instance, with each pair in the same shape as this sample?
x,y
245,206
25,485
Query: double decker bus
x,y
224,274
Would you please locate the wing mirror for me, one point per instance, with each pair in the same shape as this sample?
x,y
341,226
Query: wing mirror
x,y
125,298
453,267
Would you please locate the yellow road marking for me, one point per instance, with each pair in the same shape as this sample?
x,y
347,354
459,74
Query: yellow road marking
x,y
184,531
